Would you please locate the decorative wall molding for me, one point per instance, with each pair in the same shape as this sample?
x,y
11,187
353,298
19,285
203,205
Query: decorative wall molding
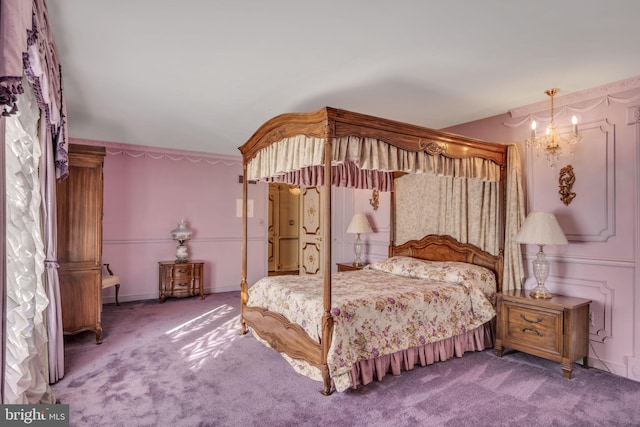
x,y
156,153
599,293
190,242
606,144
633,114
563,103
595,261
633,368
596,154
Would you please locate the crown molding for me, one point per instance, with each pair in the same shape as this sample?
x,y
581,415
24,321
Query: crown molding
x,y
119,149
576,97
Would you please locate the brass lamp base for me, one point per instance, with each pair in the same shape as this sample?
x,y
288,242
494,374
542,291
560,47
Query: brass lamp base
x,y
540,292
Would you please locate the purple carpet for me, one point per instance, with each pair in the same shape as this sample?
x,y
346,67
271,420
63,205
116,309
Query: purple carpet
x,y
183,363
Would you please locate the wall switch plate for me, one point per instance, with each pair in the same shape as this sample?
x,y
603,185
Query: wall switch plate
x,y
239,208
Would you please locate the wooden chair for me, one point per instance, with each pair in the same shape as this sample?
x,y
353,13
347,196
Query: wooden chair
x,y
109,279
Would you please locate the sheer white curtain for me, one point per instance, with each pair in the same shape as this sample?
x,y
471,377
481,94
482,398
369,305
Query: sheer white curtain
x,y
26,376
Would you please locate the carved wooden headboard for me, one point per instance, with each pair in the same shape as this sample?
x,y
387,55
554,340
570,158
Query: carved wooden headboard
x,y
446,248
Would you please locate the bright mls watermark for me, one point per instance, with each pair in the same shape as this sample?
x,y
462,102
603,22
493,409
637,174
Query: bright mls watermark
x,y
34,415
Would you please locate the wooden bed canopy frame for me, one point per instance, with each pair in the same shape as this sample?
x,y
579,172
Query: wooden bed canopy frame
x,y
328,124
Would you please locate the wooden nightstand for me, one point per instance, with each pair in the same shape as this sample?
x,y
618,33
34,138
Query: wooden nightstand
x,y
349,266
556,328
179,280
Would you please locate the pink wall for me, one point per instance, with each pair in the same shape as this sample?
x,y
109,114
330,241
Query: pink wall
x,y
601,223
147,190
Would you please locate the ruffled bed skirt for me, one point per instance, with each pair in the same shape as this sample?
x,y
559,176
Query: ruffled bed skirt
x,y
476,340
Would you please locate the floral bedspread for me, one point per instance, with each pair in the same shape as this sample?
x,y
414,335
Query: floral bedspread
x,y
379,310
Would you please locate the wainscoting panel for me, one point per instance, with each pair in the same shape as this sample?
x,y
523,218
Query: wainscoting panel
x,y
594,166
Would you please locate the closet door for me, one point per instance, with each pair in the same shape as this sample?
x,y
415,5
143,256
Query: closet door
x,y
283,229
310,231
274,220
79,219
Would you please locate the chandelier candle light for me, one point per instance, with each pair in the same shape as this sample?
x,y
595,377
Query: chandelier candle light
x,y
358,225
549,144
181,235
541,228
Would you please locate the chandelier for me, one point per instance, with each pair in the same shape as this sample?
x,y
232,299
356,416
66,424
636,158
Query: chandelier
x,y
551,142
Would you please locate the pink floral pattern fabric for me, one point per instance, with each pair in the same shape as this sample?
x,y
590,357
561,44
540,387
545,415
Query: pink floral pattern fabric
x,y
375,313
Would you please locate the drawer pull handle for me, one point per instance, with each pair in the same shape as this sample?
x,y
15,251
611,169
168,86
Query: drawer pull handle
x,y
182,271
534,330
523,317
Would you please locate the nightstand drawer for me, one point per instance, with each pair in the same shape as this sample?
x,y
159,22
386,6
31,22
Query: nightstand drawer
x,y
182,271
534,328
176,285
184,287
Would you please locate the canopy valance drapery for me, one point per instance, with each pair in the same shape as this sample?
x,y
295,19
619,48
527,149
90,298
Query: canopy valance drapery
x,y
360,162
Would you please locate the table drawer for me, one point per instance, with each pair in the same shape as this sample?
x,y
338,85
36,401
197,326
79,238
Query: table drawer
x,y
180,287
179,272
533,327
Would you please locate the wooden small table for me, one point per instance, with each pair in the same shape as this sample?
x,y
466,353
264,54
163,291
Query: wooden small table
x,y
184,279
350,266
556,328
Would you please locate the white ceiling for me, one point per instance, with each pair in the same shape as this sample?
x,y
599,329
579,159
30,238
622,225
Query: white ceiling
x,y
203,75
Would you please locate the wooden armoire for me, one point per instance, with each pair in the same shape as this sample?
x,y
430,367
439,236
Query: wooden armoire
x,y
79,219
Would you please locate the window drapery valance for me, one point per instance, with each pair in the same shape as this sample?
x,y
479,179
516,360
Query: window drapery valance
x,y
28,50
358,162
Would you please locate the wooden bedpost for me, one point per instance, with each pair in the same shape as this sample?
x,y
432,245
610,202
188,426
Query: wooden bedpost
x,y
502,199
244,287
327,319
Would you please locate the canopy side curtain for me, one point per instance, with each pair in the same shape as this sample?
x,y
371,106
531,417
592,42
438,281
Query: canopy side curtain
x,y
35,144
466,209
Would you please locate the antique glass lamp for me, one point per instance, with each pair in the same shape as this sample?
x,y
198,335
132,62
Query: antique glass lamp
x,y
541,228
358,225
181,235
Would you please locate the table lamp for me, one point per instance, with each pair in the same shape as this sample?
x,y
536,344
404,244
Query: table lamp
x,y
358,225
181,235
541,228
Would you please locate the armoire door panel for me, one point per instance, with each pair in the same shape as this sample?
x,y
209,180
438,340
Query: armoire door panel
x,y
79,228
79,286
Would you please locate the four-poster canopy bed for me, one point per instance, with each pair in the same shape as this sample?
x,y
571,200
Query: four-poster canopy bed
x,y
320,324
